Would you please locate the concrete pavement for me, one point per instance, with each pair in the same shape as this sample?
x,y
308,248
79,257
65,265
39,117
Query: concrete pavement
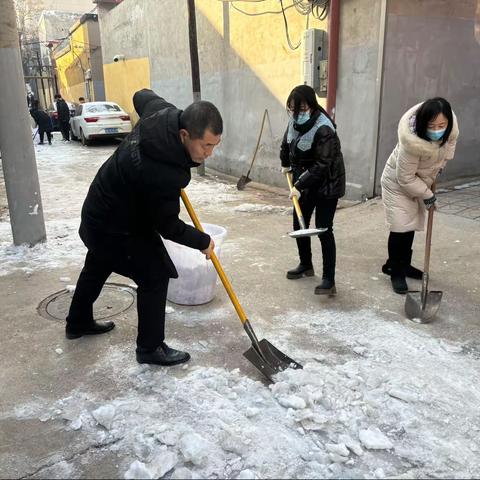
x,y
38,363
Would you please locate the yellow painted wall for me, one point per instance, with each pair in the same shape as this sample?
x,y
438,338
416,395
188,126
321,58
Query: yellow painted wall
x,y
70,72
260,41
123,79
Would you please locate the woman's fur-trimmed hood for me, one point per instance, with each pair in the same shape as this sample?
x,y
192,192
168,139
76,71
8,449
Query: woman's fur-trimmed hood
x,y
411,142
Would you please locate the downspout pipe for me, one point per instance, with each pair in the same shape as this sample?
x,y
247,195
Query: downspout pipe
x,y
333,48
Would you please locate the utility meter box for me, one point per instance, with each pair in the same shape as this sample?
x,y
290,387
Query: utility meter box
x,y
315,60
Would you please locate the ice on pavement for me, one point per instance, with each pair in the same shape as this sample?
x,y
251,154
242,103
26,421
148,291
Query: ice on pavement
x,y
104,415
407,407
374,439
194,448
396,402
261,208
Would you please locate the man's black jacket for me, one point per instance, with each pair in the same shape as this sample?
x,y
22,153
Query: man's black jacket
x,y
136,192
63,111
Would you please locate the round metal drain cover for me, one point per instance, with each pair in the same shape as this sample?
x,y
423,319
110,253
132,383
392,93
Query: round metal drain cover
x,y
114,299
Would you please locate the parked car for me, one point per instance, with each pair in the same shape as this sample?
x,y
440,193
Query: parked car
x,y
94,120
52,111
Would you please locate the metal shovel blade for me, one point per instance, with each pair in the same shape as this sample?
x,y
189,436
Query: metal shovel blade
x,y
307,232
417,311
269,361
242,182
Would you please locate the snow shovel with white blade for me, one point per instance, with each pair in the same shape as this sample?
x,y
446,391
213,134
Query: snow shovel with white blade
x,y
262,354
304,231
422,306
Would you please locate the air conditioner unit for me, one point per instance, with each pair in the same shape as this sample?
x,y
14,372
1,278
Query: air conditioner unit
x,y
88,75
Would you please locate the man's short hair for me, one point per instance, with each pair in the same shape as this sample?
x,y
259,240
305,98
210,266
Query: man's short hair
x,y
200,116
81,98
57,95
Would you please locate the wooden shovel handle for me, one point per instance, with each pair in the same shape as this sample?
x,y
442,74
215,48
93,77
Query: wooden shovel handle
x,y
216,262
428,241
265,113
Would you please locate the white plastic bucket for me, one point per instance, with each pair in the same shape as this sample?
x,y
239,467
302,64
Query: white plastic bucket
x,y
197,277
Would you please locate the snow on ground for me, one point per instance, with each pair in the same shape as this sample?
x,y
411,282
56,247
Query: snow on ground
x,y
388,401
395,402
66,171
260,208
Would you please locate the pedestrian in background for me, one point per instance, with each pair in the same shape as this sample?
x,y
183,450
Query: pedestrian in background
x,y
427,135
81,100
311,151
63,113
42,121
133,199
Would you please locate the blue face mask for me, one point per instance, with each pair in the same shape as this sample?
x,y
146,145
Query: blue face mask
x,y
302,118
435,135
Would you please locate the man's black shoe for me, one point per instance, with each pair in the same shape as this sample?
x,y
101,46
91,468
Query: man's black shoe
x,y
163,355
94,328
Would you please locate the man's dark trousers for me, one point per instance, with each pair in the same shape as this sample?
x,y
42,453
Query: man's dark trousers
x,y
139,258
65,129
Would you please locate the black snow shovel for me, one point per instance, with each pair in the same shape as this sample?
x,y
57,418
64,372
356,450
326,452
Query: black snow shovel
x,y
422,306
264,356
304,231
244,179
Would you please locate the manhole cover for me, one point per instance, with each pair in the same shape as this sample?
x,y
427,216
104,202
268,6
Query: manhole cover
x,y
115,298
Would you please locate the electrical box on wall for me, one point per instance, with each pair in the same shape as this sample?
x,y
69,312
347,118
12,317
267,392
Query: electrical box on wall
x,y
315,61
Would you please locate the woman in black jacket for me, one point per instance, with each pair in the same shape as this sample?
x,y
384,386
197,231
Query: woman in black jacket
x,y
311,151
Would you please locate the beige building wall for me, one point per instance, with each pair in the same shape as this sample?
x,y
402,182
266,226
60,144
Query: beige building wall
x,y
246,66
76,6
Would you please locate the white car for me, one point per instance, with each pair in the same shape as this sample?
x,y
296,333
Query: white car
x,y
94,120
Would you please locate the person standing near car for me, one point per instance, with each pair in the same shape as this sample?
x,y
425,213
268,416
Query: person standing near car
x,y
133,199
311,151
63,113
43,121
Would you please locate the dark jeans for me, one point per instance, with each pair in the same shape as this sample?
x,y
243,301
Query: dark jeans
x,y
41,134
65,129
324,214
400,247
134,258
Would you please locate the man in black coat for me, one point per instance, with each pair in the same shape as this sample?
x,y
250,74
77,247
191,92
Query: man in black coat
x,y
43,121
134,198
63,113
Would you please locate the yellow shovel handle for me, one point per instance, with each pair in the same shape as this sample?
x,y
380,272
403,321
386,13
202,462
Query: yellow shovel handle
x,y
294,199
216,262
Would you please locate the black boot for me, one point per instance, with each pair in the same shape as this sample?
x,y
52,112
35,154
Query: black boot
x,y
329,257
95,328
301,271
410,271
327,287
163,355
397,276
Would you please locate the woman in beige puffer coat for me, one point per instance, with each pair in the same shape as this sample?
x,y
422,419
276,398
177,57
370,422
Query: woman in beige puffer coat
x,y
427,135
